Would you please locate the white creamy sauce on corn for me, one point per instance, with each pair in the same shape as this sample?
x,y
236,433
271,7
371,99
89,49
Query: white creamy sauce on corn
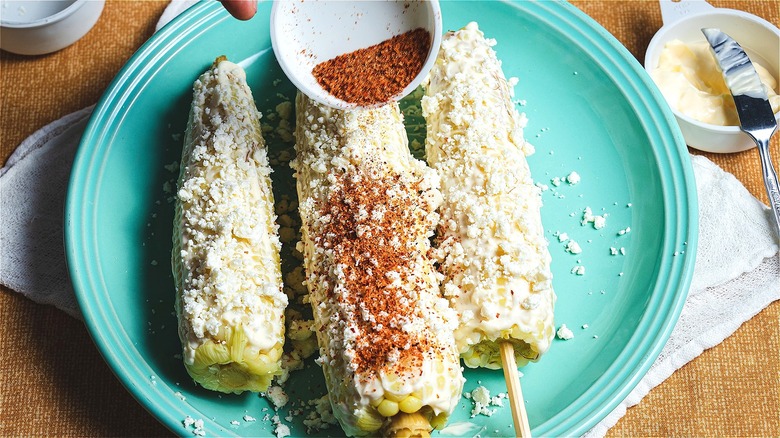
x,y
368,210
491,244
229,248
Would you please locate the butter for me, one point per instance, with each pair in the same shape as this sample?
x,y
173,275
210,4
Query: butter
x,y
692,84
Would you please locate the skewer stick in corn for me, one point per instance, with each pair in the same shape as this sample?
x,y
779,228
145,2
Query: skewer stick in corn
x,y
226,266
368,210
491,244
517,404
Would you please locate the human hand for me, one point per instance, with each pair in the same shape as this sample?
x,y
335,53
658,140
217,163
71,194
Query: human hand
x,y
241,9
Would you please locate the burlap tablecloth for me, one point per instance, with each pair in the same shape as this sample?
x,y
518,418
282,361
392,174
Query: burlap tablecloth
x,y
54,382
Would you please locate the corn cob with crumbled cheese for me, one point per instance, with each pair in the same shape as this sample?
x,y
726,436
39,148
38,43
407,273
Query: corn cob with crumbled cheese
x,y
491,244
226,265
368,210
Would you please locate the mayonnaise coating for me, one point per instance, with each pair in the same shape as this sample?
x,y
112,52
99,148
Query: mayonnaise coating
x,y
491,243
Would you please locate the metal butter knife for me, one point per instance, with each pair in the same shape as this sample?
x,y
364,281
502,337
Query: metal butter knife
x,y
755,113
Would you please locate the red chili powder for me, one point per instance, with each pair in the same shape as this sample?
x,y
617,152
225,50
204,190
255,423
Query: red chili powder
x,y
378,73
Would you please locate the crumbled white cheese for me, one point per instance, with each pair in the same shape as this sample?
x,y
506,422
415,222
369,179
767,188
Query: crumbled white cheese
x,y
543,187
531,302
624,231
321,417
573,178
280,429
277,396
197,425
573,247
578,270
622,251
564,333
285,110
480,396
598,221
498,399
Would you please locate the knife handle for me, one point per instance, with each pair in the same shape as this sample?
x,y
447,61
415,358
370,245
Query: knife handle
x,y
770,180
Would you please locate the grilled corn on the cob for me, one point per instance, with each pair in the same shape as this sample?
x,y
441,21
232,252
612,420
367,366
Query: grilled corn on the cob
x,y
226,265
491,244
368,210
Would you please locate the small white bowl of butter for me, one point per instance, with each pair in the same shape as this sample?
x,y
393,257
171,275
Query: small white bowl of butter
x,y
679,61
37,27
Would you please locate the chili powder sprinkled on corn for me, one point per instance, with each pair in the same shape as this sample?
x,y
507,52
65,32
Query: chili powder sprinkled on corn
x,y
376,74
367,266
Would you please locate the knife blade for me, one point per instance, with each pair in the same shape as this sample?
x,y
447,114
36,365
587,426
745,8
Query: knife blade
x,y
755,113
741,77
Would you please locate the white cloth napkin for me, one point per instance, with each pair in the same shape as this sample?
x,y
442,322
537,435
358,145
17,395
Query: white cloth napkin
x,y
32,201
736,275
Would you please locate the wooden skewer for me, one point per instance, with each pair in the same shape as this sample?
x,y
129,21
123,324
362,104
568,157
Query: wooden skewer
x,y
516,402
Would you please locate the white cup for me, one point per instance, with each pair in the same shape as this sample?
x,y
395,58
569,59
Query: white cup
x,y
683,20
38,27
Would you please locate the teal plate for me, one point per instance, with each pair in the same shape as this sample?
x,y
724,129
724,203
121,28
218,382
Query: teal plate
x,y
591,108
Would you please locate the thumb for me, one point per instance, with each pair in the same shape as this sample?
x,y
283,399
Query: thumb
x,y
241,9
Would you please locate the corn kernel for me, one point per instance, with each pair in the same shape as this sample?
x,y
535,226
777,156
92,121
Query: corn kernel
x,y
387,408
375,402
410,404
394,397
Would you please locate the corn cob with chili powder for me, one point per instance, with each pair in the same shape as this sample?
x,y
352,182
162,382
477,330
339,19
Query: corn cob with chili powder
x,y
368,210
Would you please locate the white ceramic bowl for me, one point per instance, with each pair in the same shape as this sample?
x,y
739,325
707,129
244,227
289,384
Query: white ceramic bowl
x,y
684,20
37,27
306,33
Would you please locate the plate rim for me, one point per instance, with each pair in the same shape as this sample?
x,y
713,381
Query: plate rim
x,y
678,172
686,230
